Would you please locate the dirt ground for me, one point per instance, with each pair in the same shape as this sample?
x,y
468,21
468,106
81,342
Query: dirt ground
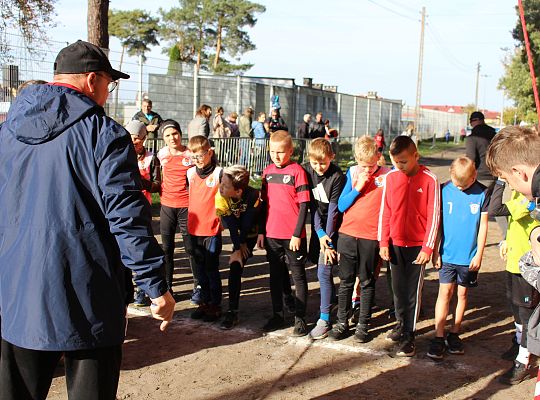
x,y
196,360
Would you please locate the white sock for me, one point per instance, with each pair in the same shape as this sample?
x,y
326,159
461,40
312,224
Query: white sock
x,y
523,356
519,328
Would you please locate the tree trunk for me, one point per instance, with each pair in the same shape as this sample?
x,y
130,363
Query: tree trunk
x,y
98,23
218,45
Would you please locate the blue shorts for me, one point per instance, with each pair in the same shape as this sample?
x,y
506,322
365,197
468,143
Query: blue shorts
x,y
452,273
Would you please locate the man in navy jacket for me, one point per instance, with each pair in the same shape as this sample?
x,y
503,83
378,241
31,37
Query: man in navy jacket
x,y
72,218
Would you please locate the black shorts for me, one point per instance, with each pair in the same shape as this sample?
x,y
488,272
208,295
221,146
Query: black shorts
x,y
519,292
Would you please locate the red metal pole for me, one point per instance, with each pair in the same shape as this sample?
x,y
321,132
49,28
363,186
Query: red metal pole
x,y
529,57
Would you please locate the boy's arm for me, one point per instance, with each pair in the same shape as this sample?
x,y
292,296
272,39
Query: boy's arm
x,y
496,206
348,195
333,212
517,208
263,212
433,213
247,218
476,262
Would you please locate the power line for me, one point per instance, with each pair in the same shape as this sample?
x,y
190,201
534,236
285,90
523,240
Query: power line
x,y
393,11
446,51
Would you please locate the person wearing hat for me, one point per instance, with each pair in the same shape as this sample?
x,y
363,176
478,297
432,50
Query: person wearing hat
x,y
476,145
73,218
149,166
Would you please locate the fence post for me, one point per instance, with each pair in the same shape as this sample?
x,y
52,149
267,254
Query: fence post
x,y
195,91
354,117
238,88
368,113
339,112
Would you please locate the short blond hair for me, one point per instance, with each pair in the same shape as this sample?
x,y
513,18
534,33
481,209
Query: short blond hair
x,y
512,146
319,149
198,143
462,170
282,137
365,149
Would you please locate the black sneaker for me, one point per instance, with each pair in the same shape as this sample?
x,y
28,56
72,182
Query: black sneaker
x,y
338,332
230,320
437,348
512,352
517,374
290,304
300,327
199,312
361,334
396,334
406,347
213,313
454,343
274,323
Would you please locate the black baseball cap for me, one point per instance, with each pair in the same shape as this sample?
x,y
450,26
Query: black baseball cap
x,y
81,57
476,115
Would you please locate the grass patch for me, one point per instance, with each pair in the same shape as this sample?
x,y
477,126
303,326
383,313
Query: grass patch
x,y
427,148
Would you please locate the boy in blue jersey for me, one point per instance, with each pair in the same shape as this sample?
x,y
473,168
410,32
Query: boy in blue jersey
x,y
464,231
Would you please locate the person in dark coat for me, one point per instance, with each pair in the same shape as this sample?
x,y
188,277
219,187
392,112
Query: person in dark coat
x,y
476,146
73,218
302,131
318,128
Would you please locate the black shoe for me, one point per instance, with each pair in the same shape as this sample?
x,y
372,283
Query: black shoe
x,y
396,334
230,320
437,348
290,303
406,346
300,327
361,334
199,312
274,323
338,332
355,314
454,343
512,352
213,313
517,374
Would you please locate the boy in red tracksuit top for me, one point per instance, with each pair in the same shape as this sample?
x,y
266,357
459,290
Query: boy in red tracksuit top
x,y
408,225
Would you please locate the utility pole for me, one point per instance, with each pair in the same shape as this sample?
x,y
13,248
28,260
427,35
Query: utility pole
x,y
419,79
477,81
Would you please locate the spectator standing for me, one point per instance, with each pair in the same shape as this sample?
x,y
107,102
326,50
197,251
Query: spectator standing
x,y
318,128
149,118
72,203
218,124
199,125
275,122
302,131
231,125
379,140
476,146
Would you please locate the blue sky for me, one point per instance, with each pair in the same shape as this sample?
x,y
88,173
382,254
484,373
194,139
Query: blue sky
x,y
364,45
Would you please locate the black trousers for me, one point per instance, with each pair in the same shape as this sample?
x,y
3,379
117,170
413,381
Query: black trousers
x,y
205,251
279,257
90,374
235,276
169,219
523,298
407,283
357,258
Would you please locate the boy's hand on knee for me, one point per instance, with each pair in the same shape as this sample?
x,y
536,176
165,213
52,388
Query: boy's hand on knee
x,y
384,252
260,241
244,251
325,242
503,250
162,309
236,256
423,258
330,256
294,243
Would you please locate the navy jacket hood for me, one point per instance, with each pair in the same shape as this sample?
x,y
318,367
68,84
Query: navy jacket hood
x,y
52,110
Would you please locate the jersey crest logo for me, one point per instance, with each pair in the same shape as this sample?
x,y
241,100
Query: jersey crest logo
x,y
186,162
474,208
420,190
210,181
286,178
379,181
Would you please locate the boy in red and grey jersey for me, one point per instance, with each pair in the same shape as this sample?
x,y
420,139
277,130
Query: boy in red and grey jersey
x,y
408,225
286,196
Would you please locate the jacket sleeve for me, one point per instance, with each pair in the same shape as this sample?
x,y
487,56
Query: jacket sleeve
x,y
348,195
127,211
433,213
517,208
384,216
470,150
496,206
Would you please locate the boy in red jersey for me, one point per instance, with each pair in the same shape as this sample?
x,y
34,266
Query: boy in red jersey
x,y
175,161
358,247
408,225
204,227
285,195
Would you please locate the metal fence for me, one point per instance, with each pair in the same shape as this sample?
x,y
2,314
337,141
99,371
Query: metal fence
x,y
177,91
